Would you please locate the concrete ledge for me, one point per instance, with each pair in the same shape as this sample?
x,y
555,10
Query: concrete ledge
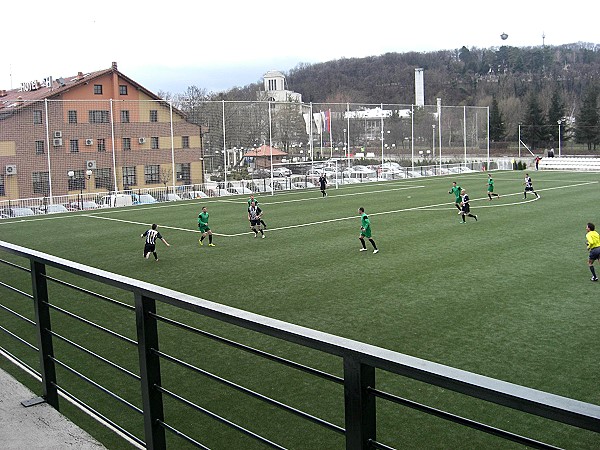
x,y
36,427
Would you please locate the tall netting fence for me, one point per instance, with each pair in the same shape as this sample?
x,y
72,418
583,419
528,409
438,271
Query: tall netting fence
x,y
77,151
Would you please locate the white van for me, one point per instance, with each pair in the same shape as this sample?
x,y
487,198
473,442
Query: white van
x,y
115,200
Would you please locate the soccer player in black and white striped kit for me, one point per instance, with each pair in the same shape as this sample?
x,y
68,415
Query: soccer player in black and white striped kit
x,y
465,207
151,236
529,187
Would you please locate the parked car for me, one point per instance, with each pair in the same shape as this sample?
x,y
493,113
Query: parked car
x,y
172,197
261,173
302,185
85,205
142,199
116,200
281,172
239,190
194,194
259,186
19,212
391,165
50,209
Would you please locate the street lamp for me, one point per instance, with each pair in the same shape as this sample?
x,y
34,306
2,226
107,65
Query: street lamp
x,y
433,141
559,123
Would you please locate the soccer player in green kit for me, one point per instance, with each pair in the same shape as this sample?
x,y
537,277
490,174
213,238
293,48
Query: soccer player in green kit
x,y
204,228
455,189
490,187
365,231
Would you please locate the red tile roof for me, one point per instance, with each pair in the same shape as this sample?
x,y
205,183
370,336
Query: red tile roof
x,y
263,150
14,98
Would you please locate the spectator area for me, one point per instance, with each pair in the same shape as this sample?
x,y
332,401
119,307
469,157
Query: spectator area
x,y
570,163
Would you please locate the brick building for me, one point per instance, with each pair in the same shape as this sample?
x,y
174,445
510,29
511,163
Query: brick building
x,y
93,132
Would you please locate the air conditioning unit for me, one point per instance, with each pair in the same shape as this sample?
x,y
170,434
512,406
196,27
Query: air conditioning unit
x,y
90,164
57,142
89,142
10,170
142,140
58,134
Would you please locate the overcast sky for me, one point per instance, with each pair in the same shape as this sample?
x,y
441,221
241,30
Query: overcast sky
x,y
219,45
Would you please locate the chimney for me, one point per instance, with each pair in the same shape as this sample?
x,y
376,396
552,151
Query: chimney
x,y
114,65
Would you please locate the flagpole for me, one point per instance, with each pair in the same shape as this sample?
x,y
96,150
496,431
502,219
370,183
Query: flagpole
x,y
271,149
331,137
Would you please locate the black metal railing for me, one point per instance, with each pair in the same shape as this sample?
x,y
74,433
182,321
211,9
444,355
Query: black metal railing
x,y
360,362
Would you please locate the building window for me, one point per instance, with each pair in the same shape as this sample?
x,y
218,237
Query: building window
x,y
39,147
2,189
77,181
154,143
128,177
183,173
72,116
185,141
98,116
104,179
37,116
272,85
152,174
101,145
125,116
74,145
98,89
41,183
122,89
126,143
153,115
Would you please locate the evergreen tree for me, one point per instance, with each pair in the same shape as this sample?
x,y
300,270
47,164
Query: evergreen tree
x,y
497,128
587,125
532,129
556,114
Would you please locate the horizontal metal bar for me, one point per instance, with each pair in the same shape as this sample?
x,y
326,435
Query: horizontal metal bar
x,y
462,420
18,291
95,355
96,385
254,394
93,412
20,316
543,404
182,435
16,266
92,324
220,419
19,363
18,338
254,351
91,293
379,445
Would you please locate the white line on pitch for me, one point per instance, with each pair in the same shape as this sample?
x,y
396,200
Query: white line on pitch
x,y
435,207
93,216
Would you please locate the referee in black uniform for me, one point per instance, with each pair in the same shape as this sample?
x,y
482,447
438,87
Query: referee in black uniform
x,y
151,236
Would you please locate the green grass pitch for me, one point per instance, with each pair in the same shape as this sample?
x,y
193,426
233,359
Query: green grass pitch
x,y
508,296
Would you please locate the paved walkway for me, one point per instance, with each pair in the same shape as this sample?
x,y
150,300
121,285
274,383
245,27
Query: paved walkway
x,y
36,427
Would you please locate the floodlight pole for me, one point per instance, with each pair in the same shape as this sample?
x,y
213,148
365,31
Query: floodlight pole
x,y
271,147
559,122
381,140
224,151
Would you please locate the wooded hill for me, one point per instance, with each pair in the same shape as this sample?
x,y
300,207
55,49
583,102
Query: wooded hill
x,y
536,86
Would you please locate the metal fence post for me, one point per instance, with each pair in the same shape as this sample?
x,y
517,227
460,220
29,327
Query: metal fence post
x,y
45,347
147,333
360,415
